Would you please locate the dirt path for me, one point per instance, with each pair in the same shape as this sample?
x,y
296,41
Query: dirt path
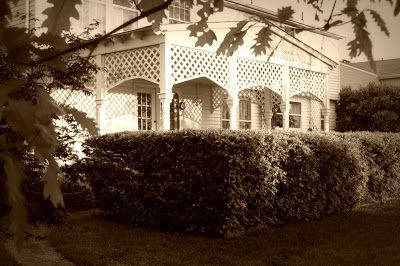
x,y
40,252
36,252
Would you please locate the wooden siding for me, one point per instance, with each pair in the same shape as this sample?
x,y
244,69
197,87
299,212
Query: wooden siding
x,y
17,10
354,77
256,116
332,115
334,83
192,91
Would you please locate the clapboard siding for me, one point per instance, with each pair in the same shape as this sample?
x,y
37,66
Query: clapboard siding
x,y
334,84
256,116
332,115
353,77
19,9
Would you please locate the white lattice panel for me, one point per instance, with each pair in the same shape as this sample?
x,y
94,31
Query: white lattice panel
x,y
193,110
255,94
142,62
120,103
276,98
188,63
253,72
315,119
218,95
304,81
77,99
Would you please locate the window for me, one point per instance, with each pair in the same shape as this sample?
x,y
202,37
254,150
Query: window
x,y
123,11
99,10
225,115
294,116
94,11
244,114
179,12
144,111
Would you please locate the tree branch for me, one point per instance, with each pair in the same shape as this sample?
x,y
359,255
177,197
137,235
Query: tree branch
x,y
105,36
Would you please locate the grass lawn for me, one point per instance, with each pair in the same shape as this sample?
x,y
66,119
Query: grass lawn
x,y
367,236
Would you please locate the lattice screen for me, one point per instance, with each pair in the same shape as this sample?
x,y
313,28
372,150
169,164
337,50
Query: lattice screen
x,y
120,103
77,99
303,82
255,94
276,98
187,63
218,95
193,110
253,72
315,119
142,62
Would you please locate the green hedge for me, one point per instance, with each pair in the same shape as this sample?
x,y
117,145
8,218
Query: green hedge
x,y
220,180
375,107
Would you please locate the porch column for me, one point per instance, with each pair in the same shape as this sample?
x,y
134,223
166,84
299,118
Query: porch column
x,y
165,95
101,96
285,105
233,103
325,113
325,110
165,100
268,109
285,108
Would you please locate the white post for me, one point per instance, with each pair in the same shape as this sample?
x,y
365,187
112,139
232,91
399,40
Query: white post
x,y
165,95
232,103
233,100
101,95
325,110
325,113
268,109
285,106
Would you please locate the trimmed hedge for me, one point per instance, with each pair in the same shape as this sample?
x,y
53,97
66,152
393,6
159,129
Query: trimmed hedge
x,y
221,181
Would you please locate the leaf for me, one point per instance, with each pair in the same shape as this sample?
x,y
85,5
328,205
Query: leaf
x,y
58,16
285,14
15,174
207,37
51,188
379,21
8,87
397,8
262,41
350,11
156,18
83,120
233,39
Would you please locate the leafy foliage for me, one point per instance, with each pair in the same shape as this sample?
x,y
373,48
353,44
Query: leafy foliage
x,y
372,108
220,181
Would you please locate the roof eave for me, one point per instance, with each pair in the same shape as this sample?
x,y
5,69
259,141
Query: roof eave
x,y
259,11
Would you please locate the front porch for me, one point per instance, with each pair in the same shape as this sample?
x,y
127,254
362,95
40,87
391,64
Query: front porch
x,y
175,86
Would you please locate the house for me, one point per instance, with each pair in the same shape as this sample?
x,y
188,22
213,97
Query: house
x,y
164,82
361,73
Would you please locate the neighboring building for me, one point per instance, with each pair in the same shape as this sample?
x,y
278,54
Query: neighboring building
x,y
361,73
162,82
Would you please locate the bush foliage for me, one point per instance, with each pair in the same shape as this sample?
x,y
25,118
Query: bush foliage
x,y
371,108
219,180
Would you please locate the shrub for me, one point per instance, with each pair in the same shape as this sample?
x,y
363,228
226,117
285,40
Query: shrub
x,y
220,180
371,108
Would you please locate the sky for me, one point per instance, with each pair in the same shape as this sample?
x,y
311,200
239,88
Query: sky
x,y
383,47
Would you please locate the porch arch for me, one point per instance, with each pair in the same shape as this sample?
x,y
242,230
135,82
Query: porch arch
x,y
135,63
190,63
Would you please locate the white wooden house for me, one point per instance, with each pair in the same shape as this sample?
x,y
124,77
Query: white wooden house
x,y
163,81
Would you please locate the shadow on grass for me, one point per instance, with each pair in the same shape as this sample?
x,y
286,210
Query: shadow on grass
x,y
370,235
